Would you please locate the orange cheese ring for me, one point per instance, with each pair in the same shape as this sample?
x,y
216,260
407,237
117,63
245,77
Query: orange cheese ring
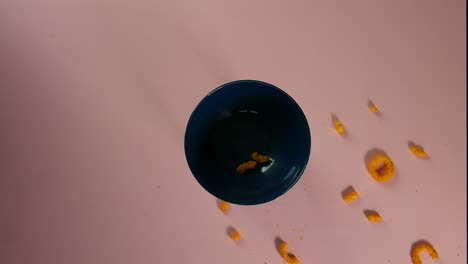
x,y
375,168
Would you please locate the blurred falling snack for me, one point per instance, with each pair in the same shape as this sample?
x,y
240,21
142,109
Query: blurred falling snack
x,y
419,247
262,159
248,165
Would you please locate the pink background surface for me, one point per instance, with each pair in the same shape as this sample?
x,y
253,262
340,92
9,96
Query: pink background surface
x,y
95,96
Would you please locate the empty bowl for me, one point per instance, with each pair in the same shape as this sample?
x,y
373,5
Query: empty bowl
x,y
235,120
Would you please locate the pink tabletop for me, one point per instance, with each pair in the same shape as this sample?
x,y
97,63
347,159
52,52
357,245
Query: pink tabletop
x,y
95,96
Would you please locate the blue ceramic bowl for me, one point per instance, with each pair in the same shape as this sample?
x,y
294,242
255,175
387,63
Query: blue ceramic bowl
x,y
233,121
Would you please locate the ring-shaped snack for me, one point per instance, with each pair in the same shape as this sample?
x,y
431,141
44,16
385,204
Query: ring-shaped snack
x,y
381,168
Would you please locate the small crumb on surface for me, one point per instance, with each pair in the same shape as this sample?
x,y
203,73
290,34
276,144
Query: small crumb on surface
x,y
417,150
372,107
339,127
349,194
223,206
373,216
235,236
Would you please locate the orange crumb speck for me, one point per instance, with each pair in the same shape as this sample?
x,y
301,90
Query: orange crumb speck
x,y
418,151
339,127
351,196
223,206
372,107
235,236
373,217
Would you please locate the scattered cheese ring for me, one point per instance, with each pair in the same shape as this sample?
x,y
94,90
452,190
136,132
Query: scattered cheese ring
x,y
339,127
223,206
418,151
260,158
421,246
288,257
248,165
381,168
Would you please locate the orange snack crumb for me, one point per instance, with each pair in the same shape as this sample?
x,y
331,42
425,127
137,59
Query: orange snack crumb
x,y
288,257
373,216
418,248
418,151
283,248
235,236
381,168
350,196
248,165
372,107
223,206
260,158
339,127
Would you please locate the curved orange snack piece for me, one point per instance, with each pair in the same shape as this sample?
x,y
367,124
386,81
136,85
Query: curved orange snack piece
x,y
418,249
289,258
260,158
248,165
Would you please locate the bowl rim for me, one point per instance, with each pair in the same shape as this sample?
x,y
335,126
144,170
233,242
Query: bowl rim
x,y
275,195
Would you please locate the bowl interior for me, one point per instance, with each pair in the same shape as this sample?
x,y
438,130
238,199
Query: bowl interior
x,y
235,120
